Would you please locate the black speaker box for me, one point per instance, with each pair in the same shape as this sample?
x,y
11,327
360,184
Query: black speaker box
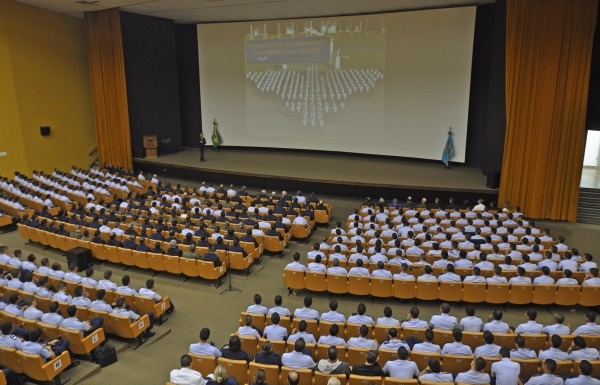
x,y
45,130
493,179
81,256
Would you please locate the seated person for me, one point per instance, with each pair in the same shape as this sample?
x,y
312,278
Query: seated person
x,y
186,375
332,364
332,338
428,345
457,348
548,377
444,321
267,356
275,332
360,317
46,349
585,376
530,327
520,352
370,367
86,327
362,341
233,350
302,333
387,319
475,375
433,373
470,323
402,367
219,377
297,359
393,342
495,325
413,321
333,315
579,350
205,347
489,349
257,308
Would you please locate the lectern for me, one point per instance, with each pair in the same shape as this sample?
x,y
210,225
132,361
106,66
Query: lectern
x,y
151,146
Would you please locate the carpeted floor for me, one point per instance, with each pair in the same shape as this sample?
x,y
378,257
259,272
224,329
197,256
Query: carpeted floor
x,y
200,305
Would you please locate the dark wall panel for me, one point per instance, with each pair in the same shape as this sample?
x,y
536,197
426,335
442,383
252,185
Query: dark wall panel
x,y
189,83
593,109
487,104
152,82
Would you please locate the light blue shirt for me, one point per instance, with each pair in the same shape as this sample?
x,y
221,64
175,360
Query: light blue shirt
x,y
297,360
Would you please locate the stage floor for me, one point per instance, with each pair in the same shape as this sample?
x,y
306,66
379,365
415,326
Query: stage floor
x,y
333,168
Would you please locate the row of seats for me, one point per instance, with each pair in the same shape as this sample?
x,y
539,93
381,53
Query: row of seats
x,y
191,268
445,291
244,372
380,333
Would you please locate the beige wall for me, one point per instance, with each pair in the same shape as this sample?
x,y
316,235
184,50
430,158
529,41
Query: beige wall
x,y
44,81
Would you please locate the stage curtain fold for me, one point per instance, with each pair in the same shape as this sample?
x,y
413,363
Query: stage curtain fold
x,y
548,59
109,90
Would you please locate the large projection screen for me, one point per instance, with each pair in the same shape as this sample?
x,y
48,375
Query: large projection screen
x,y
386,84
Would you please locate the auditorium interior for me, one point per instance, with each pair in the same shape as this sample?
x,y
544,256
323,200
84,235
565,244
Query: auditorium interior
x,y
500,107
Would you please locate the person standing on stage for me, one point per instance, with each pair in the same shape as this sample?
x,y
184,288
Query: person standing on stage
x,y
202,145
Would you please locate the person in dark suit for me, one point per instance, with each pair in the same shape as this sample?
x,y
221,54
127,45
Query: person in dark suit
x,y
369,368
202,143
113,241
157,249
211,256
267,356
142,246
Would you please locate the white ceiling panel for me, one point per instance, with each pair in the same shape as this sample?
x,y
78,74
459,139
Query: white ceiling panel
x,y
210,11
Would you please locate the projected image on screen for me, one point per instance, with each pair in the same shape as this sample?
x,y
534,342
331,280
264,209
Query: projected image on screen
x,y
385,84
309,74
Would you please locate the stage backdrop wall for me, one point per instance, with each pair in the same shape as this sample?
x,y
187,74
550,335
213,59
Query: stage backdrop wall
x,y
152,80
382,84
593,110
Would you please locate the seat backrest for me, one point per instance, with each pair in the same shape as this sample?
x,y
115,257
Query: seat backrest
x,y
359,285
529,368
427,290
271,371
404,289
294,279
34,367
456,364
521,294
422,358
399,381
316,281
364,380
337,283
474,292
497,293
357,356
320,378
235,368
204,364
10,359
544,294
305,375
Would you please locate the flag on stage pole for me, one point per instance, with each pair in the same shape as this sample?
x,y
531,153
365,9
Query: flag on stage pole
x,y
216,137
448,149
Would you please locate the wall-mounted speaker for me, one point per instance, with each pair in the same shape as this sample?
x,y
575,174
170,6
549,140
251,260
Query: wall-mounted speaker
x,y
493,179
45,130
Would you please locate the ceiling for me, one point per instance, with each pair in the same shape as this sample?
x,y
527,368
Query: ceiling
x,y
211,11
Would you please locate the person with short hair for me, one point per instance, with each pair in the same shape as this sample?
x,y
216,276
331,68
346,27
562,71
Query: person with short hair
x,y
470,323
413,321
275,331
282,311
186,375
475,375
302,333
443,321
204,347
362,341
85,327
387,319
558,327
521,352
457,348
579,350
554,352
47,349
489,349
428,345
505,371
548,377
306,312
590,327
585,376
530,327
256,307
248,330
297,359
370,368
402,367
360,317
332,364
433,373
333,315
332,338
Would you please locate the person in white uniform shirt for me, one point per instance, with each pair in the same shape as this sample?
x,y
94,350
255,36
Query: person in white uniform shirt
x,y
497,278
558,327
297,359
521,352
495,323
413,321
282,311
457,348
554,352
295,265
591,278
393,342
336,268
332,339
444,321
360,317
428,346
205,347
470,323
403,275
506,371
475,375
359,270
585,266
316,265
530,327
427,275
275,332
449,275
548,378
306,312
433,373
567,279
247,330
257,308
520,279
381,271
186,375
362,341
580,351
590,327
475,277
489,349
387,319
585,376
302,333
545,278
333,315
402,367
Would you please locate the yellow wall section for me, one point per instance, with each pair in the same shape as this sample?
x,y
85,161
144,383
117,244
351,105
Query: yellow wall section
x,y
46,59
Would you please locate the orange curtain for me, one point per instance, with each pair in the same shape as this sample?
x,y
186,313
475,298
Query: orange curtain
x,y
109,91
548,59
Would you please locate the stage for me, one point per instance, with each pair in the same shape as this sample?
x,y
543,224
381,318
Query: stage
x,y
348,175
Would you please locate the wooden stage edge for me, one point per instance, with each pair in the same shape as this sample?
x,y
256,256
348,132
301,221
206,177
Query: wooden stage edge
x,y
350,187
